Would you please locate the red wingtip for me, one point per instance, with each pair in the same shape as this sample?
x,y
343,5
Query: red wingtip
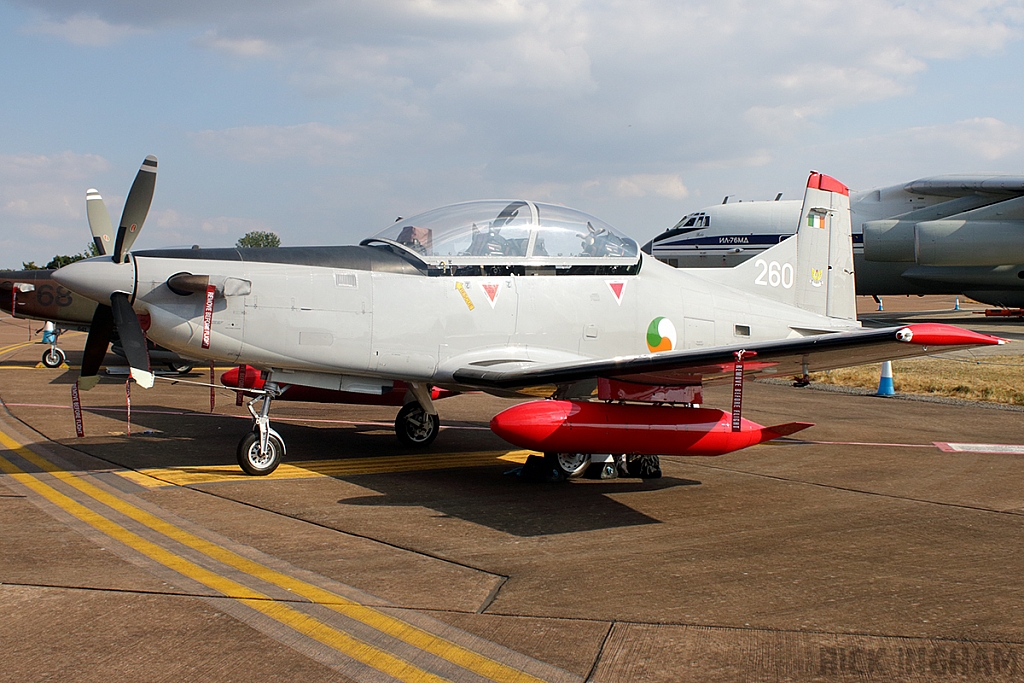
x,y
939,334
820,181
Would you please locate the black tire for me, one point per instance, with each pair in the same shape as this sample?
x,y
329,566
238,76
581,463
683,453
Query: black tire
x,y
414,427
180,368
644,466
569,465
250,459
53,357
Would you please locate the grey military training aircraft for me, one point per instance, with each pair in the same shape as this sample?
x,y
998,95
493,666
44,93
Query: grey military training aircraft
x,y
955,234
515,298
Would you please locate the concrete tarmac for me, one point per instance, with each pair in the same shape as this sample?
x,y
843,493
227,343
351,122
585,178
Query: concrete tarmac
x,y
859,551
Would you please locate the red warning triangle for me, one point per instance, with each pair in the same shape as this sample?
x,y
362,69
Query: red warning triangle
x,y
617,287
491,290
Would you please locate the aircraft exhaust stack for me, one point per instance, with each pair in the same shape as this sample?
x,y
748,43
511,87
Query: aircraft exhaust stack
x,y
590,427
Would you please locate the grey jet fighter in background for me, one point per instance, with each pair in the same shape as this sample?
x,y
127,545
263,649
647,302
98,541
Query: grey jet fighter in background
x,y
941,235
513,298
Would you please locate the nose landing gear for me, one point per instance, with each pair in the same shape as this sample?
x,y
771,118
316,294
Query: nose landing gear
x,y
53,357
261,450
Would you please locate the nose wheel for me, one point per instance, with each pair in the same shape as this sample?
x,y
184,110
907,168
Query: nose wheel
x,y
53,357
256,460
261,450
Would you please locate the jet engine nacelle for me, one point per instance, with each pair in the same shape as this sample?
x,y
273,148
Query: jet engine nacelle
x,y
945,243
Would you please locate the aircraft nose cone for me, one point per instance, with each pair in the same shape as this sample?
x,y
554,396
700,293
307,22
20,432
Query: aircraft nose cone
x,y
97,278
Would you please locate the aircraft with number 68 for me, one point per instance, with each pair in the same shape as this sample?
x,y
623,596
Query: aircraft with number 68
x,y
513,298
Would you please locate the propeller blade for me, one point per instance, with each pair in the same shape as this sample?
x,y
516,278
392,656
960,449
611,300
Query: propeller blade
x,y
133,341
136,206
96,347
99,221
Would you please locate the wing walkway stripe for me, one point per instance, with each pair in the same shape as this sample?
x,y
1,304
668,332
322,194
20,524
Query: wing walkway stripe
x,y
384,623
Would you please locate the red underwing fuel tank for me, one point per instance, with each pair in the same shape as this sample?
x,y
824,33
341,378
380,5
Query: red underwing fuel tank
x,y
592,427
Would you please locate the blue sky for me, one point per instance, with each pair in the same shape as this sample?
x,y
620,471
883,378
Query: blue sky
x,y
324,121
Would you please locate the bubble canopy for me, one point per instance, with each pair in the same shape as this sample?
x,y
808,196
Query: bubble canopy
x,y
510,232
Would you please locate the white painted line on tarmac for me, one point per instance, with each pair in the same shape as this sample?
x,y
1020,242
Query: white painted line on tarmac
x,y
997,448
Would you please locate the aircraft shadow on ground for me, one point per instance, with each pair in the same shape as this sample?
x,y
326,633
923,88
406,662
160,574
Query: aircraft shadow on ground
x,y
484,495
512,505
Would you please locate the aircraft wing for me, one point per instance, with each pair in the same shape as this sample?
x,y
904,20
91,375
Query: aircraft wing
x,y
785,357
963,185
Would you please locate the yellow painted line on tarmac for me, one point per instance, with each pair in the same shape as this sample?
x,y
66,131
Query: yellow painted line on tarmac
x,y
14,347
384,623
310,469
309,626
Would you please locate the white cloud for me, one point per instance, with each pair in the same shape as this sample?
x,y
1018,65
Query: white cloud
x,y
35,186
84,29
236,47
643,184
978,139
232,226
315,143
64,166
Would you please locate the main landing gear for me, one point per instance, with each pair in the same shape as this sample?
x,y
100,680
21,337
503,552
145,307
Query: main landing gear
x,y
561,466
417,423
261,450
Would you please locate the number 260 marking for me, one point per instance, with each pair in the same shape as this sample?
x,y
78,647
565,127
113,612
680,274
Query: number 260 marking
x,y
773,274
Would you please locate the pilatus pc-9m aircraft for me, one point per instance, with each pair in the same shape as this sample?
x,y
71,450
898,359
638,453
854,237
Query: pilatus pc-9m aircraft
x,y
512,298
940,235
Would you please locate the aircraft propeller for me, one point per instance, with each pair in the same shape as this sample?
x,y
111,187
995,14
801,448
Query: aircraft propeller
x,y
119,313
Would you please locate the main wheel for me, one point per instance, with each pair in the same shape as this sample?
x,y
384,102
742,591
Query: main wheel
x,y
260,464
53,357
180,368
569,465
643,466
414,427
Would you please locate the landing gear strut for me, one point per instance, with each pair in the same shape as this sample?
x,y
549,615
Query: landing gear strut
x,y
261,450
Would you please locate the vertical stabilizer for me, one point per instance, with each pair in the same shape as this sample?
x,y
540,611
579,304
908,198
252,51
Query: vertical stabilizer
x,y
812,270
824,269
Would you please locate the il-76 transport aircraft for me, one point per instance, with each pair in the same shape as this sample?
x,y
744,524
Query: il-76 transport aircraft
x,y
512,298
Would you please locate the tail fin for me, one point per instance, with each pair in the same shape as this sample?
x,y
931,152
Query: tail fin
x,y
812,270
